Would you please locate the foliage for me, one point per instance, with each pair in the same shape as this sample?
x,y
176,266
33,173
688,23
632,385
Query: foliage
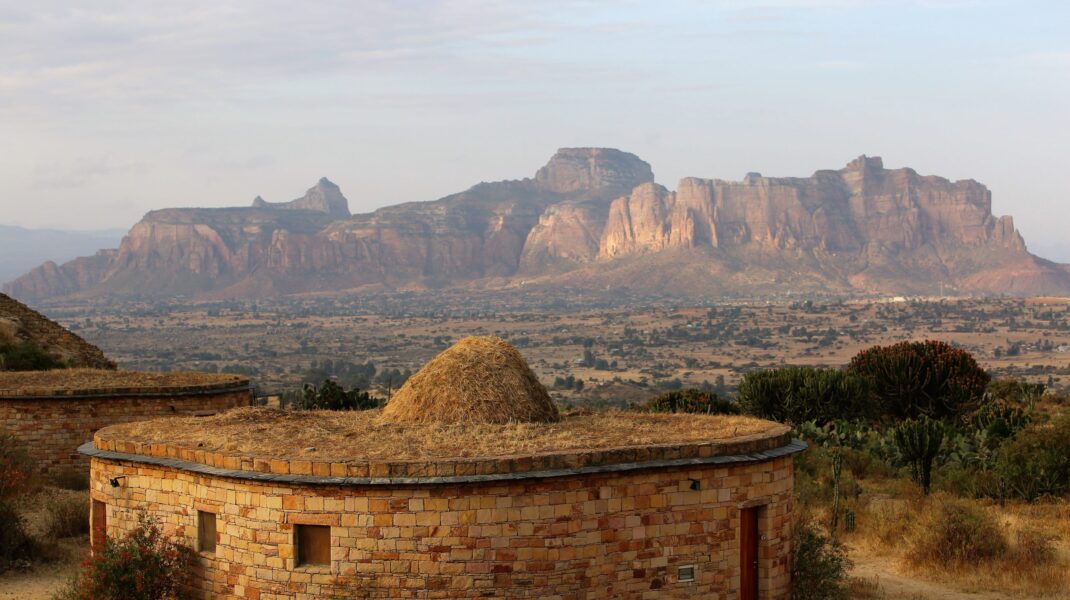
x,y
16,544
819,566
66,516
929,378
71,478
15,467
800,394
918,442
1036,461
1015,391
143,565
26,356
691,401
958,533
331,396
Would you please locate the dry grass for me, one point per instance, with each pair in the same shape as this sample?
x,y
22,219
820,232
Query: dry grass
x,y
1018,549
357,436
477,380
13,383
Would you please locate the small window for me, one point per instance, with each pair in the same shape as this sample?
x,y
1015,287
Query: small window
x,y
206,531
313,544
685,574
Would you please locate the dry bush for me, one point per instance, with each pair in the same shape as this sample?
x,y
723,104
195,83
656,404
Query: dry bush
x,y
66,515
957,533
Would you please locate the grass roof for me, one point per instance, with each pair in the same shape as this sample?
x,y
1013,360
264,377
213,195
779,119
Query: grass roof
x,y
72,381
358,436
477,380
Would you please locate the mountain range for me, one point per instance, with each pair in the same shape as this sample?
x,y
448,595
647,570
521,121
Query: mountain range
x,y
591,218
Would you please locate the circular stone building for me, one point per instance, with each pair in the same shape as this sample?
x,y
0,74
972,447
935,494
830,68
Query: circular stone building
x,y
54,412
468,484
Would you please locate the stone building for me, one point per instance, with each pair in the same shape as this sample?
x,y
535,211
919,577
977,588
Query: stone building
x,y
469,484
53,412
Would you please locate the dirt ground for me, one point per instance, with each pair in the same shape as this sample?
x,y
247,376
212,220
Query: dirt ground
x,y
897,586
42,581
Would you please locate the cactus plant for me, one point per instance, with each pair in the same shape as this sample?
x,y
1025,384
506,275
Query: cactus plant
x,y
918,442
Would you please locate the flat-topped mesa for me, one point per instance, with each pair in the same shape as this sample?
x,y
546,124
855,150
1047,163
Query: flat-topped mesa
x,y
325,197
588,169
477,380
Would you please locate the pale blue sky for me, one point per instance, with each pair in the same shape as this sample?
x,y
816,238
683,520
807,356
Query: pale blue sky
x,y
113,109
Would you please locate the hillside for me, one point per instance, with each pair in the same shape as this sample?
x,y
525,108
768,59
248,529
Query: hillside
x,y
590,218
20,323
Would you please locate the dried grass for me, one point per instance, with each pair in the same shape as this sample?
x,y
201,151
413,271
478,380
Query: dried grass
x,y
59,381
477,380
358,436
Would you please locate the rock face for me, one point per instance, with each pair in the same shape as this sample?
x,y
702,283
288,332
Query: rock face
x,y
19,322
324,197
590,217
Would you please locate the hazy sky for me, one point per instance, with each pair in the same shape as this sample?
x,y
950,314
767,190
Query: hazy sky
x,y
109,109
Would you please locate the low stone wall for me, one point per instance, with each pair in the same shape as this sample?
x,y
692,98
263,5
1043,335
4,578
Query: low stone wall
x,y
53,426
585,534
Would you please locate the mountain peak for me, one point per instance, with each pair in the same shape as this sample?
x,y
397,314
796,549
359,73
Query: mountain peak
x,y
865,163
324,197
572,170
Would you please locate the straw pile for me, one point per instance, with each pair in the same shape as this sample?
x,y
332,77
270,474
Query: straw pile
x,y
477,380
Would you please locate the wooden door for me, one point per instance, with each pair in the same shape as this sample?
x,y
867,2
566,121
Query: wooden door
x,y
98,519
748,554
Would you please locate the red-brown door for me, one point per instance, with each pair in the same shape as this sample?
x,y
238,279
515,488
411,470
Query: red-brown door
x,y
99,522
748,554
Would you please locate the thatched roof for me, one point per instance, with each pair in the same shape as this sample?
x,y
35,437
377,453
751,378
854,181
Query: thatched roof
x,y
477,380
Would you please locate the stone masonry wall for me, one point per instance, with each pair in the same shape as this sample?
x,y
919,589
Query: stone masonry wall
x,y
592,536
52,428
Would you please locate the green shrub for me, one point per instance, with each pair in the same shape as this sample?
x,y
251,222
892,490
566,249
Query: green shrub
x,y
1015,391
930,378
691,401
143,565
800,394
331,396
918,442
66,516
958,533
1036,461
26,356
819,565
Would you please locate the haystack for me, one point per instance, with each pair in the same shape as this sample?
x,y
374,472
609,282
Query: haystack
x,y
477,380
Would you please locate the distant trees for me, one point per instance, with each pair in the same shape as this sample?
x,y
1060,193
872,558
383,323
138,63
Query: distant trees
x,y
691,401
331,396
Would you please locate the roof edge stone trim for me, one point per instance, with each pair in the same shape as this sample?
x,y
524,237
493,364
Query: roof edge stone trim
x,y
141,392
792,447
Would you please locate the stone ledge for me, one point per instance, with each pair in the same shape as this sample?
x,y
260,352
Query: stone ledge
x,y
792,447
203,389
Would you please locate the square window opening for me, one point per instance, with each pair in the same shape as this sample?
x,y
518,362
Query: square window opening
x,y
313,544
685,574
206,531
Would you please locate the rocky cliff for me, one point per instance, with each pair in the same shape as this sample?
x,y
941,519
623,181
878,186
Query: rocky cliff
x,y
590,217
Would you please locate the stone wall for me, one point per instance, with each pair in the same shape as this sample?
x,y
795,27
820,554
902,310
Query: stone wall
x,y
594,535
52,427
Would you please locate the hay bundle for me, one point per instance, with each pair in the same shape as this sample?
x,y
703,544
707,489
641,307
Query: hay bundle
x,y
477,380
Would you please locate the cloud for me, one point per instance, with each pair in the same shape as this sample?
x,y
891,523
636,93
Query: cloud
x,y
77,173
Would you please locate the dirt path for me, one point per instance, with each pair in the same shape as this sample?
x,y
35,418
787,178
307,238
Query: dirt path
x,y
902,587
38,584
